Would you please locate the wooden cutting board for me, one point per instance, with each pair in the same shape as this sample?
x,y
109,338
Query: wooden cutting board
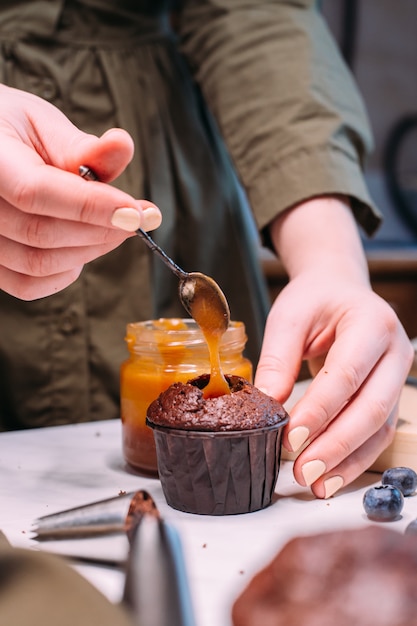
x,y
403,449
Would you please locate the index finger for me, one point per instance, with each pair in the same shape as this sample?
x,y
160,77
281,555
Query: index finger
x,y
33,186
349,362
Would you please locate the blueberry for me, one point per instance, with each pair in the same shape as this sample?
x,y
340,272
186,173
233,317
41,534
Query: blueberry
x,y
383,503
404,478
411,528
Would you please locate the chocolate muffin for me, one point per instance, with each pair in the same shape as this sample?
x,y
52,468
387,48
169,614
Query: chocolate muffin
x,y
364,577
219,455
184,406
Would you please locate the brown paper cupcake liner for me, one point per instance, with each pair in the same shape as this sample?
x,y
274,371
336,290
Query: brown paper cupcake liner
x,y
218,473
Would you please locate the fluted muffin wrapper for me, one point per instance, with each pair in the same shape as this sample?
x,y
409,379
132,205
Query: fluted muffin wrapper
x,y
218,473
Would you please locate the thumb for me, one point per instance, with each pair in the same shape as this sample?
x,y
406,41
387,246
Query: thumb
x,y
59,142
107,155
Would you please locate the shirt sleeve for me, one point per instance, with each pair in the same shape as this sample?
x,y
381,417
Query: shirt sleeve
x,y
285,102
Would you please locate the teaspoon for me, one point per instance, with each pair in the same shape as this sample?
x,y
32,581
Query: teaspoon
x,y
202,298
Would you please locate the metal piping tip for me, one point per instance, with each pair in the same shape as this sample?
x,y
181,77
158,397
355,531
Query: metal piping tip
x,y
119,514
156,587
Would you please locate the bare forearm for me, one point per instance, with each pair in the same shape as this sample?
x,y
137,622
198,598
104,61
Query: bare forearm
x,y
320,234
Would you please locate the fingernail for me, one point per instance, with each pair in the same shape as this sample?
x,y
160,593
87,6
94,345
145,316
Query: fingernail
x,y
312,470
126,218
331,485
151,218
297,436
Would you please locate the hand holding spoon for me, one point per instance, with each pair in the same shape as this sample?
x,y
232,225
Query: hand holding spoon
x,y
203,299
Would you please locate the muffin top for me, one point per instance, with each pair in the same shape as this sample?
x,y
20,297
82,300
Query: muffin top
x,y
183,406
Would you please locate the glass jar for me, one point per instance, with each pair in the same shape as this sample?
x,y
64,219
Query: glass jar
x,y
162,352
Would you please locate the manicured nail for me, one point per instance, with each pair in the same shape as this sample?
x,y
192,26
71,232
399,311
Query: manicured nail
x,y
312,470
297,436
126,218
331,485
151,218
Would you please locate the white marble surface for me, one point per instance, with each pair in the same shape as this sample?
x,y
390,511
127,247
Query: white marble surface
x,y
51,469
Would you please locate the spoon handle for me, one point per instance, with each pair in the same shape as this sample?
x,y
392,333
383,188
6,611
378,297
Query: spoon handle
x,y
88,174
162,255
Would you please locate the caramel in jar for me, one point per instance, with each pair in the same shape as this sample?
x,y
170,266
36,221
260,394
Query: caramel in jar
x,y
163,352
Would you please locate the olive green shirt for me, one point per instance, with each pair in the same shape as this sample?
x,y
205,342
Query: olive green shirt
x,y
227,101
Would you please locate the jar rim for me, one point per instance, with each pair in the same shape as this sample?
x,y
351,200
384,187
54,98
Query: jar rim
x,y
183,330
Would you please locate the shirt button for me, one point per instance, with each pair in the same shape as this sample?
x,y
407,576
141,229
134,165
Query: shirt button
x,y
48,90
69,323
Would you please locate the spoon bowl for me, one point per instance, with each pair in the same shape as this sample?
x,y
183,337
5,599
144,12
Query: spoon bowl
x,y
203,299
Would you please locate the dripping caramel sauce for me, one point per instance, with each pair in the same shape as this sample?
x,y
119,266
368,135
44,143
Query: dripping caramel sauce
x,y
212,324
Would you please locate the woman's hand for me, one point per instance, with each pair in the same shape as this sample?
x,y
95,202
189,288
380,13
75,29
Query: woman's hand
x,y
356,348
52,221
